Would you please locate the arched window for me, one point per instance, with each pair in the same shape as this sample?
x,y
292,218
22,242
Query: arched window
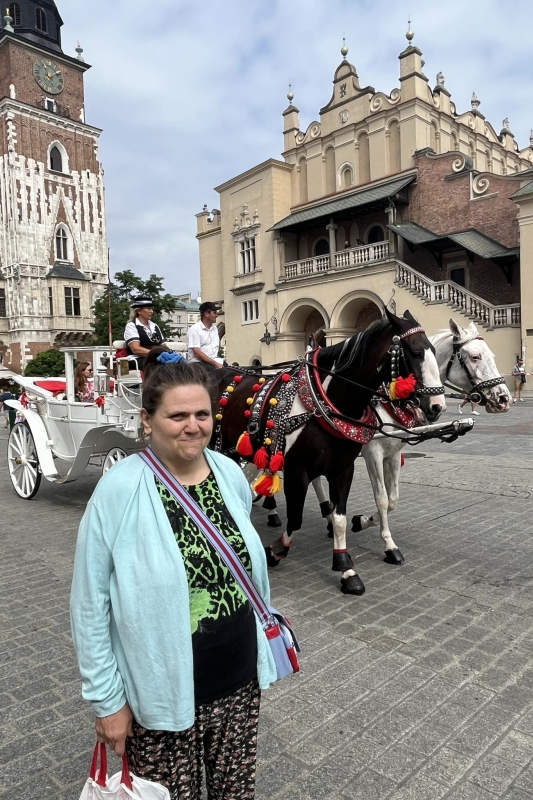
x,y
375,235
62,241
40,20
322,247
56,159
395,155
14,13
330,171
303,180
347,179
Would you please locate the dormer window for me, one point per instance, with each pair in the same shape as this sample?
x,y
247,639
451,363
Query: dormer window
x,y
62,244
56,160
50,105
14,13
40,20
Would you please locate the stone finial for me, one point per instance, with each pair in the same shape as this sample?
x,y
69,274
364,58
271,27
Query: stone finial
x,y
475,102
410,34
505,125
290,95
344,49
440,79
8,19
531,138
79,51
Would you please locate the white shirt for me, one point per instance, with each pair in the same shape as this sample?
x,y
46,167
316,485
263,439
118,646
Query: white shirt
x,y
207,339
131,334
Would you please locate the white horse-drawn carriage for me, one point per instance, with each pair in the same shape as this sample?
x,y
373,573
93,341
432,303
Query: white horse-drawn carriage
x,y
57,437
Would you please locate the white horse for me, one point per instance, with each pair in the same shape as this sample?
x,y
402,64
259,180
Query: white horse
x,y
465,361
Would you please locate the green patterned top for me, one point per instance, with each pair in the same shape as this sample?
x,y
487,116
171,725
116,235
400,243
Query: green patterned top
x,y
213,592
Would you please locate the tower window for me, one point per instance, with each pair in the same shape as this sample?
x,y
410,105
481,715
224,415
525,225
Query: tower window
x,y
14,13
3,303
72,302
50,105
50,301
40,20
61,245
56,160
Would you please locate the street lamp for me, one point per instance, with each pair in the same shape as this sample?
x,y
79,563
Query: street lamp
x,y
267,336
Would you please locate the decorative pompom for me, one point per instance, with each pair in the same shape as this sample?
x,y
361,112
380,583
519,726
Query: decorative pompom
x,y
250,400
244,445
271,424
100,401
277,485
285,377
223,401
261,458
218,416
277,462
247,413
273,401
230,389
237,378
261,380
268,441
401,388
255,387
263,485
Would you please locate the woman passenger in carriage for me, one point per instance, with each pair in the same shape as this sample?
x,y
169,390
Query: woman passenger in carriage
x,y
83,382
141,334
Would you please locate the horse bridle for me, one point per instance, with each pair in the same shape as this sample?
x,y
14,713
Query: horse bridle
x,y
396,353
476,394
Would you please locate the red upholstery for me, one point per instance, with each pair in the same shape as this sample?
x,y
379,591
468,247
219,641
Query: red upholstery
x,y
56,387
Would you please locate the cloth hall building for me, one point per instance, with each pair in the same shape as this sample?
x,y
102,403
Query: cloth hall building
x,y
393,197
53,248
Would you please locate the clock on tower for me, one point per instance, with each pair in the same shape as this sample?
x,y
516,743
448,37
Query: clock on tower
x,y
52,221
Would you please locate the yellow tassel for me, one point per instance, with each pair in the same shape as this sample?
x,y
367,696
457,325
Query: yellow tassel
x,y
277,484
392,389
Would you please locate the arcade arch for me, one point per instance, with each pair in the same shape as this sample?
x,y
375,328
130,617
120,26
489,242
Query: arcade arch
x,y
303,318
356,311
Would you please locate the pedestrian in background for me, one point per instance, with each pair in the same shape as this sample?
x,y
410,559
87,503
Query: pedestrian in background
x,y
3,397
519,374
172,655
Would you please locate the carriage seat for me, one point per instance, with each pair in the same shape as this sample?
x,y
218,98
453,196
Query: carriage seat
x,y
58,388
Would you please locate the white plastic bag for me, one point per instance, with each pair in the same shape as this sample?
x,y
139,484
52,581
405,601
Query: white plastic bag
x,y
122,786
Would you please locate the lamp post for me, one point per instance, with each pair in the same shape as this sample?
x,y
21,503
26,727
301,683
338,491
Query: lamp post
x,y
268,337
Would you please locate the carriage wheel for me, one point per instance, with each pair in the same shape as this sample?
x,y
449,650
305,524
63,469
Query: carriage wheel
x,y
115,455
23,462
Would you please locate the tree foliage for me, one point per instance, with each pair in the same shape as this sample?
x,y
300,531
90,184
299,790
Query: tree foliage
x,y
123,290
48,364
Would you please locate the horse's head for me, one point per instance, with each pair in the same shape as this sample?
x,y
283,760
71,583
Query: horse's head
x,y
417,358
469,363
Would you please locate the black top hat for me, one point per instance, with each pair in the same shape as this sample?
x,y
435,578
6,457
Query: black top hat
x,y
142,302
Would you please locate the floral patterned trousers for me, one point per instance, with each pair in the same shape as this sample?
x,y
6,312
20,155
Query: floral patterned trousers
x,y
223,739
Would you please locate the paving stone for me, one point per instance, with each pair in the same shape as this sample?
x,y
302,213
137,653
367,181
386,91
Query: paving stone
x,y
494,774
369,786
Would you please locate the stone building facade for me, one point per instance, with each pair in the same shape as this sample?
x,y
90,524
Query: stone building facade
x,y
392,197
53,246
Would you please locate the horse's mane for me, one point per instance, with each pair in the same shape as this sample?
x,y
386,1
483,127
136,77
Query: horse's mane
x,y
354,353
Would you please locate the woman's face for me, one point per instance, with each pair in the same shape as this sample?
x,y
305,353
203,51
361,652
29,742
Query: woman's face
x,y
145,314
181,427
87,372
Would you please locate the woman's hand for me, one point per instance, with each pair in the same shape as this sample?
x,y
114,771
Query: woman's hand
x,y
114,729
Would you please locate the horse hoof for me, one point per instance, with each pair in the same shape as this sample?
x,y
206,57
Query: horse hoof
x,y
357,526
330,530
273,521
272,561
394,557
352,585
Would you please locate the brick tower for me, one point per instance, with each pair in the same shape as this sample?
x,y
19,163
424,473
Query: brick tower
x,y
53,249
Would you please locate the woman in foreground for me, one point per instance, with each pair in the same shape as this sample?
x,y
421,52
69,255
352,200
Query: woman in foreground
x,y
171,654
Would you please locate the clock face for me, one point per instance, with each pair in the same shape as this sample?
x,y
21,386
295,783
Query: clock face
x,y
49,76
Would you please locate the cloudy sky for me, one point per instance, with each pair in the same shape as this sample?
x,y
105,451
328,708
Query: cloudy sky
x,y
190,93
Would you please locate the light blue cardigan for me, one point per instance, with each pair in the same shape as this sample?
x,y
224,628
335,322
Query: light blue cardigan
x,y
130,600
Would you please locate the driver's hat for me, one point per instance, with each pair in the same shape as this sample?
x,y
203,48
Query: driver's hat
x,y
142,302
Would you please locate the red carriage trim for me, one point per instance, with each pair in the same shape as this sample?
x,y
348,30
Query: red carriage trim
x,y
335,426
401,415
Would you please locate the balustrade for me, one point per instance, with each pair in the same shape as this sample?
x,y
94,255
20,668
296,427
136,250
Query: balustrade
x,y
352,257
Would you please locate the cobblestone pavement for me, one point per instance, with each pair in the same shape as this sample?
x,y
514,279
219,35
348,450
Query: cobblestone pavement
x,y
423,688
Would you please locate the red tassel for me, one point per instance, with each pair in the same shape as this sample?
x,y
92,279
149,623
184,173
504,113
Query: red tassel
x,y
277,462
263,486
404,387
402,460
244,445
261,458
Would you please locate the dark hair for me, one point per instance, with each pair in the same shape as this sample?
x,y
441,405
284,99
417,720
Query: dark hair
x,y
158,378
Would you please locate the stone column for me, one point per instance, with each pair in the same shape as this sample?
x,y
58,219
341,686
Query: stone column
x,y
331,228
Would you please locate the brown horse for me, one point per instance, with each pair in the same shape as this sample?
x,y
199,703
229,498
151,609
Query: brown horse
x,y
320,414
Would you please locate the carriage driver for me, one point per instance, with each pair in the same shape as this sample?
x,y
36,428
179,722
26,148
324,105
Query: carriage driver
x,y
203,340
141,334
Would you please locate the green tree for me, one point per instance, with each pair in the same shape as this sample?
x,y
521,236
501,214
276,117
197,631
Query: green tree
x,y
122,290
48,364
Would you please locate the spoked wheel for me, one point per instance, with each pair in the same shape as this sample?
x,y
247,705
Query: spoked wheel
x,y
115,455
23,462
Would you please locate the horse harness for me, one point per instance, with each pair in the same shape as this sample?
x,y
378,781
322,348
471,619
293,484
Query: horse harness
x,y
476,394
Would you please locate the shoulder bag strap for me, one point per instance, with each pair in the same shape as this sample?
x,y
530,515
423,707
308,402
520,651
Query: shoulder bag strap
x,y
223,548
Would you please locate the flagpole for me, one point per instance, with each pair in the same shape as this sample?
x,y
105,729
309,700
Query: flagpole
x,y
109,326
